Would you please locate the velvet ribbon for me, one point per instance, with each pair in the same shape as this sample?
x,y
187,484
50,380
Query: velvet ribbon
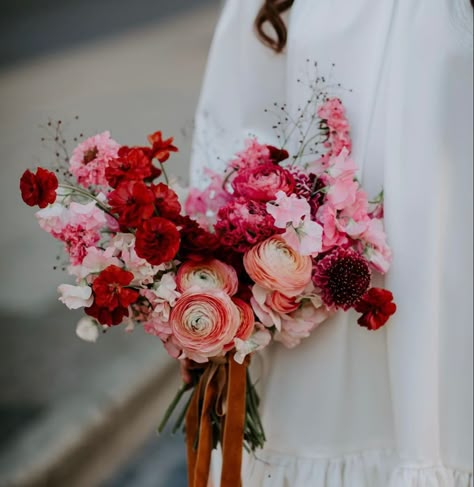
x,y
221,389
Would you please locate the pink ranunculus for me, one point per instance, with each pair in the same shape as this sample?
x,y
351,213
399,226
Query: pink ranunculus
x,y
203,322
90,158
207,274
247,319
274,265
263,182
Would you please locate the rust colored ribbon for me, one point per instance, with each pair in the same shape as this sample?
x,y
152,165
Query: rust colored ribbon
x,y
208,395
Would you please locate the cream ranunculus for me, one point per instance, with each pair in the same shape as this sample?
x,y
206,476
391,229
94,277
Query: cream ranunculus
x,y
276,266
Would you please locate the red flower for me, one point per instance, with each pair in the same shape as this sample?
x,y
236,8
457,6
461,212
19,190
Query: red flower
x,y
262,182
40,188
111,291
133,201
105,316
157,241
132,164
277,155
343,277
196,239
161,148
376,307
166,201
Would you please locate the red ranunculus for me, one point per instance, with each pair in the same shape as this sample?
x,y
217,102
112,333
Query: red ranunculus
x,y
40,188
111,291
131,164
376,307
166,201
106,317
161,148
157,241
262,182
133,201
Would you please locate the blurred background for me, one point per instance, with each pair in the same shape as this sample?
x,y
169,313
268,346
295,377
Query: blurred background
x,y
72,413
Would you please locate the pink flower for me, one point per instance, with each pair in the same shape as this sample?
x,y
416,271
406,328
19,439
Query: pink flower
x,y
288,209
95,260
332,235
376,249
90,158
208,274
306,239
301,323
274,265
342,191
203,323
241,224
354,220
263,182
162,297
341,165
259,340
253,154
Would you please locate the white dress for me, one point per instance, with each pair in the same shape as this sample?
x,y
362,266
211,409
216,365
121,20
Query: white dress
x,y
348,407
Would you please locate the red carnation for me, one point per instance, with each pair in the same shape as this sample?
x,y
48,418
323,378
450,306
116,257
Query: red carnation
x,y
133,201
376,307
262,182
166,201
40,188
161,148
157,241
196,239
343,277
105,316
131,164
111,291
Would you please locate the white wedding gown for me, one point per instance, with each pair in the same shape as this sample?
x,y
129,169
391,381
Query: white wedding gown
x,y
349,407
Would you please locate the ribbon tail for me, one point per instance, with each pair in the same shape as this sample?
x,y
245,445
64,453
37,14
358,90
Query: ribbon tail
x,y
234,425
192,429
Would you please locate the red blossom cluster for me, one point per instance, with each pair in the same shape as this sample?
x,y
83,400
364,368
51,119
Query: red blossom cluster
x,y
40,188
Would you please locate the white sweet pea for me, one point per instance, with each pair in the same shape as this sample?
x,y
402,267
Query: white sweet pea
x,y
87,329
260,339
75,297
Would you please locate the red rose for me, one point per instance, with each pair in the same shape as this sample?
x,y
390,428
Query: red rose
x,y
376,307
132,164
262,182
157,241
133,201
161,148
166,201
111,291
40,188
105,316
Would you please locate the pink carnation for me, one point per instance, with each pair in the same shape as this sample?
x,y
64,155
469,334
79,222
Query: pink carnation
x,y
253,154
90,158
242,224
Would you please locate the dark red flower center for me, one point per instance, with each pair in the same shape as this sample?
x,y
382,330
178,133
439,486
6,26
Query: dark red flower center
x,y
90,155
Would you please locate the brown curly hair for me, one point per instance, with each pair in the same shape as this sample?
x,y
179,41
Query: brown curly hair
x,y
271,13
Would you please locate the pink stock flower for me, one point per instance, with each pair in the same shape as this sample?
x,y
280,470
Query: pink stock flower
x,y
90,158
274,265
203,323
208,274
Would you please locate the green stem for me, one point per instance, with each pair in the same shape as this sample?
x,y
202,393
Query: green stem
x,y
172,407
86,194
164,173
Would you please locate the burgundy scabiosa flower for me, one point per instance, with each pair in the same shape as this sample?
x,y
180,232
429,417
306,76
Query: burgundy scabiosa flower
x,y
342,277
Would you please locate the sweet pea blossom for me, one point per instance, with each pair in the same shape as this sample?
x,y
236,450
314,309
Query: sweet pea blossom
x,y
87,329
75,297
162,297
294,214
95,261
257,341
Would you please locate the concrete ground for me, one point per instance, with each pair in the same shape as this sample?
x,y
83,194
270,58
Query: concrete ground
x,y
56,390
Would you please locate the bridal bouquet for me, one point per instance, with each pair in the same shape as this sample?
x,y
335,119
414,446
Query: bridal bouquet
x,y
267,251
